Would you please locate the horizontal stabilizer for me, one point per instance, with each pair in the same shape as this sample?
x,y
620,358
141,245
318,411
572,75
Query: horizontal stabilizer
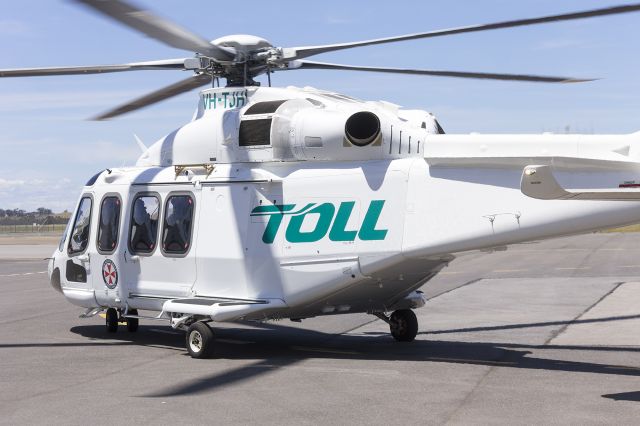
x,y
539,182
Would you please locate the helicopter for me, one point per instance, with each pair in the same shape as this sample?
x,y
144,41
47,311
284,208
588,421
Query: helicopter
x,y
291,203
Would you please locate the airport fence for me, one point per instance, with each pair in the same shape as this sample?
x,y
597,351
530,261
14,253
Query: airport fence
x,y
32,229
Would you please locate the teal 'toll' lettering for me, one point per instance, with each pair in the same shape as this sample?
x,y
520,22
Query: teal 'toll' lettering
x,y
328,221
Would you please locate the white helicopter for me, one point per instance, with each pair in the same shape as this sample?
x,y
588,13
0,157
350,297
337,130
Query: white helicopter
x,y
296,202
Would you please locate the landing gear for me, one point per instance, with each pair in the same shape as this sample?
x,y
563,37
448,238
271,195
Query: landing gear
x,y
200,340
403,325
112,320
132,323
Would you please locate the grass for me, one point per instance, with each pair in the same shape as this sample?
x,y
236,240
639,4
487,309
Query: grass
x,y
629,228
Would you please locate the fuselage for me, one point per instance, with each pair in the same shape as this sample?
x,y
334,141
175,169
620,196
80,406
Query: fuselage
x,y
312,219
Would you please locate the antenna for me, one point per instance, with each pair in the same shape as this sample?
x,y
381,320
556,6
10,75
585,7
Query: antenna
x,y
141,145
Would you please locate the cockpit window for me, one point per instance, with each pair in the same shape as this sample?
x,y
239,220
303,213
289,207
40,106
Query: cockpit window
x,y
143,234
81,226
64,237
178,216
109,224
93,179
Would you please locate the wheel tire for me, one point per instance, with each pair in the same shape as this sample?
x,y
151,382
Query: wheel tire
x,y
403,325
132,323
111,320
200,340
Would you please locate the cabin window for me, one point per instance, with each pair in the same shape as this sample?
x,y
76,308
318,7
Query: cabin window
x,y
255,132
109,224
81,226
178,218
143,234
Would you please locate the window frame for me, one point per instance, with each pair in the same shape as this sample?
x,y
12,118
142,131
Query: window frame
x,y
65,235
73,226
164,223
104,197
265,107
133,199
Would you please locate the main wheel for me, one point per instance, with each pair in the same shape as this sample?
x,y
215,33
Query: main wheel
x,y
404,325
111,320
200,340
132,323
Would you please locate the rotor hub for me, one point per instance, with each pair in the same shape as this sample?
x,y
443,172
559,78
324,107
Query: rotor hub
x,y
243,43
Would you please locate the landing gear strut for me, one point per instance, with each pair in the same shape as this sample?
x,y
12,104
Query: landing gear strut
x,y
403,324
200,340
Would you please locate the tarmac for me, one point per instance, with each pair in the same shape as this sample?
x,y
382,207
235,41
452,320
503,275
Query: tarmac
x,y
543,333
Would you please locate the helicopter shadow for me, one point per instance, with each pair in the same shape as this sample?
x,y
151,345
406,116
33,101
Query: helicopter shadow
x,y
624,396
273,347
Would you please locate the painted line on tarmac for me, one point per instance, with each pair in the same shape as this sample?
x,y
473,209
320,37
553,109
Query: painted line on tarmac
x,y
510,270
159,330
554,249
23,274
470,360
323,350
573,269
628,266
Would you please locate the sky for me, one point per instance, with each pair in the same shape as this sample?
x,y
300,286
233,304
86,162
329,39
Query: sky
x,y
49,148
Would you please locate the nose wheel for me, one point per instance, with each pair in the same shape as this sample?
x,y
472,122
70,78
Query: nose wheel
x,y
111,320
132,323
112,317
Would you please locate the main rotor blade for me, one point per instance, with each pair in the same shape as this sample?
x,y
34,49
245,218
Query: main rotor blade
x,y
157,96
306,51
158,28
440,73
169,64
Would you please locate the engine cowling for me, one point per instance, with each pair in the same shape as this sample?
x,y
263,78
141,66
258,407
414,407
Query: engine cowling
x,y
302,131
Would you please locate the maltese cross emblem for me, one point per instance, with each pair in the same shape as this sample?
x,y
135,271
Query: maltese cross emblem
x,y
109,274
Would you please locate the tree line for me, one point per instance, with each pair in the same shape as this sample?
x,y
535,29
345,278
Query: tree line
x,y
41,215
40,211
